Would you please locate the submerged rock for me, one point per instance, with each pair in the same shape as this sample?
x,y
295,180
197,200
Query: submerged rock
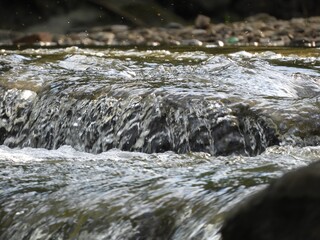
x,y
155,123
287,209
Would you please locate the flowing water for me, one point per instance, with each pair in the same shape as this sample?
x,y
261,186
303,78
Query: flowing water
x,y
148,143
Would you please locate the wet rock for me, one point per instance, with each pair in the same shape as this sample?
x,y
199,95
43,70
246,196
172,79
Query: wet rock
x,y
146,124
288,210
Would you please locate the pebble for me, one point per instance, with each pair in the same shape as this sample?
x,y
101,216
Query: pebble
x,y
191,42
199,32
264,41
220,43
232,40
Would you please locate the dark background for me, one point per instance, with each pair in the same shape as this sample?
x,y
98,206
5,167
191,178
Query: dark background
x,y
72,15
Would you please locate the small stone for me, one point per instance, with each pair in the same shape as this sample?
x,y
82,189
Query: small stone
x,y
199,32
87,41
202,22
278,43
300,42
76,37
248,29
106,37
317,41
232,40
119,28
268,33
174,25
173,42
264,41
282,32
286,40
298,21
314,19
192,42
153,44
220,43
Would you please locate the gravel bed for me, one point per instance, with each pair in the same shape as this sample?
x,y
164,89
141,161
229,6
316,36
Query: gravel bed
x,y
259,30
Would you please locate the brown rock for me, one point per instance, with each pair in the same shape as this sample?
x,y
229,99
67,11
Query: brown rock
x,y
202,22
34,38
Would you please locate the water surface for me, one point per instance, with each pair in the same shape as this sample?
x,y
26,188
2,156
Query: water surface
x,y
147,144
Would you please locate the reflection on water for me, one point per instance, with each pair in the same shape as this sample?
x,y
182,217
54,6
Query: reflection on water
x,y
147,144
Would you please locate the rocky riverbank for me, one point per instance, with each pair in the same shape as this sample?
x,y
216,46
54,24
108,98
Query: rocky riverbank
x,y
258,30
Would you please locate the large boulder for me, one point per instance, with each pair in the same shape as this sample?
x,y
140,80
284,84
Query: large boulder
x,y
288,209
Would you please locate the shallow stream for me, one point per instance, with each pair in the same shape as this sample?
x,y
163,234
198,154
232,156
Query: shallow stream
x,y
148,143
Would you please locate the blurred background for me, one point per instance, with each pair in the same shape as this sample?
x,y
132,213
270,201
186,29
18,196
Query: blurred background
x,y
62,16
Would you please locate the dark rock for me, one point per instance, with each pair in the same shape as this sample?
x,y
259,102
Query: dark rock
x,y
300,41
288,209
